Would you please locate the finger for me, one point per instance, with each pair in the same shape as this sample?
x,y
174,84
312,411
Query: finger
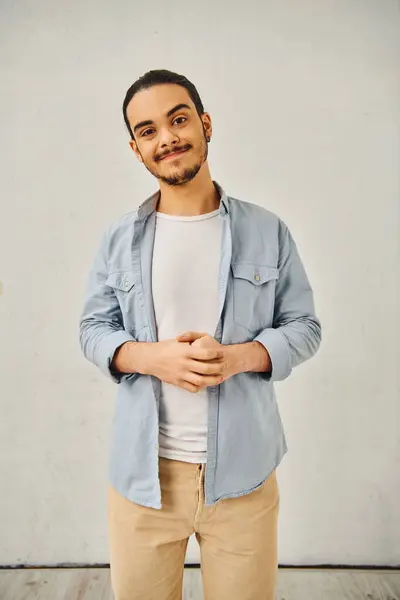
x,y
189,387
190,335
203,381
205,368
205,353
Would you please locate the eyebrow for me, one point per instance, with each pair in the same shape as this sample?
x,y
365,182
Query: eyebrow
x,y
169,113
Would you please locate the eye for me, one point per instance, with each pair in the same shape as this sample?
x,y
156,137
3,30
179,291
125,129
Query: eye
x,y
143,133
177,119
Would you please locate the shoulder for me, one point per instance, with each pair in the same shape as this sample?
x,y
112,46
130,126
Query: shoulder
x,y
120,227
244,210
123,222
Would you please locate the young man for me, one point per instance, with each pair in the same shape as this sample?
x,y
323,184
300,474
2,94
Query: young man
x,y
196,304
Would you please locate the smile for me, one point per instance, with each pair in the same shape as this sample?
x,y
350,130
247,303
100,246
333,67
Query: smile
x,y
174,155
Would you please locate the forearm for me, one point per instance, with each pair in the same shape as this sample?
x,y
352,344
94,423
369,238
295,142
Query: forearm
x,y
136,357
129,358
250,356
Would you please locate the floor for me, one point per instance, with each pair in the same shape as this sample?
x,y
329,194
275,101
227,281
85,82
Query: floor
x,y
293,584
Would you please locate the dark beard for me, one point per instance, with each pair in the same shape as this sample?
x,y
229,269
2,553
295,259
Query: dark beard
x,y
181,178
187,175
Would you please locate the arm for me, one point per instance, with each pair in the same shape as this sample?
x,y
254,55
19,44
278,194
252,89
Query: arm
x,y
249,356
132,357
101,327
296,333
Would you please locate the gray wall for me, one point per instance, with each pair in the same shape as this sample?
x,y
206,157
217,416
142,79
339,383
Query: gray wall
x,y
305,105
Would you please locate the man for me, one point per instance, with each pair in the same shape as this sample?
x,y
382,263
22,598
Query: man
x,y
196,304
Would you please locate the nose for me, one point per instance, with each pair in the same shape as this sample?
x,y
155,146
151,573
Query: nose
x,y
167,138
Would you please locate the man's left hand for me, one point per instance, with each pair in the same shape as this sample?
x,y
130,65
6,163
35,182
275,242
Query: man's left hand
x,y
229,364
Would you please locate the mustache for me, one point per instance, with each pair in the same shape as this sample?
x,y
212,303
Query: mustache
x,y
173,152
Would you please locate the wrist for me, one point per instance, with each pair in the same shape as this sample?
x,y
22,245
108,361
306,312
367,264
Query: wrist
x,y
249,357
140,357
262,359
236,358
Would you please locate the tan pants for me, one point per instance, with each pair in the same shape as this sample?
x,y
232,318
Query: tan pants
x,y
237,539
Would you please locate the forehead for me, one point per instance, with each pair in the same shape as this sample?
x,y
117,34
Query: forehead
x,y
153,103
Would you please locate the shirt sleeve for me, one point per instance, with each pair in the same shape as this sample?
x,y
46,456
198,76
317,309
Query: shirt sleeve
x,y
296,332
101,325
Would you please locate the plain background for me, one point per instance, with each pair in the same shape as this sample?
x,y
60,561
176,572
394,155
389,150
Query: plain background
x,y
304,98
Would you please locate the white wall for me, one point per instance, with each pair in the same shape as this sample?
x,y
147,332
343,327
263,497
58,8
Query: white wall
x,y
305,105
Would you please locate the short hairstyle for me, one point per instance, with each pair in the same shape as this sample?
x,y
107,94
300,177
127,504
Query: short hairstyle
x,y
156,77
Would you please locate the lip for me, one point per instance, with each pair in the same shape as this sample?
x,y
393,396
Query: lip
x,y
174,155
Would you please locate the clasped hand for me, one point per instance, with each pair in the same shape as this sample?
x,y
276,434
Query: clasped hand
x,y
193,361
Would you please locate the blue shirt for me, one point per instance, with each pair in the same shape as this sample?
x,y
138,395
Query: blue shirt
x,y
264,295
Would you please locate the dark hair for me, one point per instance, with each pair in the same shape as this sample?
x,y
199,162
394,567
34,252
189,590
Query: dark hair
x,y
156,77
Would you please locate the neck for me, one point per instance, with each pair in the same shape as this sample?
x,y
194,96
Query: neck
x,y
196,197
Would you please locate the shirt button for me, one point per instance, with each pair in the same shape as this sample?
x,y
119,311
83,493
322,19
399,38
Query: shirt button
x,y
126,283
257,277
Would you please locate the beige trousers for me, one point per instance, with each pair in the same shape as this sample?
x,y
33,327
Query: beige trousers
x,y
237,539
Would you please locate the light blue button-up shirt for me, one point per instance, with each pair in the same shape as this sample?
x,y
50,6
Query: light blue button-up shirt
x,y
264,295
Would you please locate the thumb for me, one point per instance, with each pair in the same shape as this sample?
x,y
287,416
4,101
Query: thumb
x,y
189,336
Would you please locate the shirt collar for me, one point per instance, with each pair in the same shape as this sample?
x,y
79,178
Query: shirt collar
x,y
149,205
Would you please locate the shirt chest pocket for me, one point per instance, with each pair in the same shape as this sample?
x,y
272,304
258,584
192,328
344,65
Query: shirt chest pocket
x,y
126,286
253,294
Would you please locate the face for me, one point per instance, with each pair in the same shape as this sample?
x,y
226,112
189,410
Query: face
x,y
164,120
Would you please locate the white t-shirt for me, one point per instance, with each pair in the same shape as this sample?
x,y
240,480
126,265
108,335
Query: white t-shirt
x,y
185,272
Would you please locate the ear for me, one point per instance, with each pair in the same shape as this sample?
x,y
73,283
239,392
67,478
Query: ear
x,y
207,124
136,151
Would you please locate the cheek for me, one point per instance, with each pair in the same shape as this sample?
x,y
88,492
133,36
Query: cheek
x,y
146,153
